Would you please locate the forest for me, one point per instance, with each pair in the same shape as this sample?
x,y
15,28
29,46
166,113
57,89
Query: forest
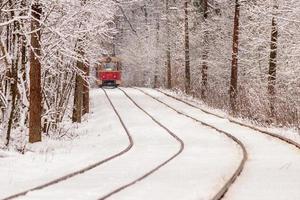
x,y
238,56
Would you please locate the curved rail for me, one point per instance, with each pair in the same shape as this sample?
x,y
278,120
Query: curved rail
x,y
220,194
287,140
157,167
68,176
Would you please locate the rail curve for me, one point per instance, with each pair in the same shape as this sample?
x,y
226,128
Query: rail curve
x,y
144,176
223,191
287,140
220,194
68,176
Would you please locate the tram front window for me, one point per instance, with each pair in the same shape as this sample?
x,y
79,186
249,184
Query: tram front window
x,y
109,66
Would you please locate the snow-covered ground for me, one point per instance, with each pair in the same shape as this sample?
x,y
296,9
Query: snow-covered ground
x,y
272,170
207,161
205,164
52,159
290,133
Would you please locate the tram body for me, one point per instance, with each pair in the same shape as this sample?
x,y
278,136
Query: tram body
x,y
109,72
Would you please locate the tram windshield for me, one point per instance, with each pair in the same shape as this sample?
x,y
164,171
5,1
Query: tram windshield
x,y
109,66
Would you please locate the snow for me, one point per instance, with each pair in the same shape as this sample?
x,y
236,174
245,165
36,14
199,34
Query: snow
x,y
52,159
290,133
208,160
272,171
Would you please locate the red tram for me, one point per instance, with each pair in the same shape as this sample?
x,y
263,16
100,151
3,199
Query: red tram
x,y
109,72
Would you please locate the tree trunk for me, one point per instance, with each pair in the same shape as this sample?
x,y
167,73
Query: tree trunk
x,y
81,93
234,64
157,54
273,65
14,90
78,93
187,49
86,91
35,112
77,107
205,54
168,52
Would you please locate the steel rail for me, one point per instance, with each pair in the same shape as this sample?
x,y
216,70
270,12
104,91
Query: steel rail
x,y
220,194
282,138
83,170
157,167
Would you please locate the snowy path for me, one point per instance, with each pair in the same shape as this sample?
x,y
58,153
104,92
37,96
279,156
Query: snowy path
x,y
152,146
272,171
53,159
287,134
207,161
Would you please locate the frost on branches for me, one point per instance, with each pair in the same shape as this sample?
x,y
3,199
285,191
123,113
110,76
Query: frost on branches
x,y
249,48
64,25
268,72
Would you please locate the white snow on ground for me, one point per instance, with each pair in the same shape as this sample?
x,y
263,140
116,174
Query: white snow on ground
x,y
289,133
199,172
208,160
272,171
152,145
101,138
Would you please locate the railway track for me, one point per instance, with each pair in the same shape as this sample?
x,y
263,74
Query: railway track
x,y
81,171
229,183
287,140
220,194
63,178
144,176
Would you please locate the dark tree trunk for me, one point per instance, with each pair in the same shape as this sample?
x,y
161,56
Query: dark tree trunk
x,y
81,92
187,49
168,52
234,64
78,100
78,93
86,91
273,66
157,46
205,54
14,91
35,112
